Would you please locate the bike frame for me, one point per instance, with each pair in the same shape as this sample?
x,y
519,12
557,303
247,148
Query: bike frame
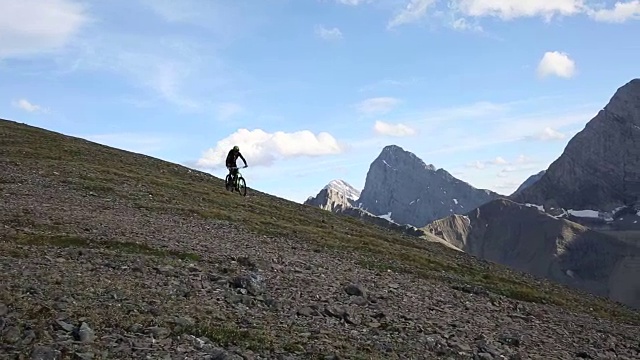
x,y
238,175
237,179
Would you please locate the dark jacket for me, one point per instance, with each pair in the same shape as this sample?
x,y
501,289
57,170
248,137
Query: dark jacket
x,y
232,157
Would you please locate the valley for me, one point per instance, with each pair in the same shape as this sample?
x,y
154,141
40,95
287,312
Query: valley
x,y
586,204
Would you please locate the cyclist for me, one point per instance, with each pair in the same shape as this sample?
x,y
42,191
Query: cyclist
x,y
232,158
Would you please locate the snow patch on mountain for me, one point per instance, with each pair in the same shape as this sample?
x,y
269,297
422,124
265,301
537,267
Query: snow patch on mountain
x,y
585,213
540,207
387,217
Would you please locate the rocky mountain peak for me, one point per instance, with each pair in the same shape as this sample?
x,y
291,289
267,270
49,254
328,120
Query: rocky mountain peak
x,y
343,188
599,168
336,194
625,102
403,188
396,156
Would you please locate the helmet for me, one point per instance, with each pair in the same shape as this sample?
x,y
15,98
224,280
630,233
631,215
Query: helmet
x,y
236,148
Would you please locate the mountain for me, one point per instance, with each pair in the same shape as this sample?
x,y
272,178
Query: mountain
x,y
389,224
599,168
338,193
339,196
530,181
400,186
526,239
110,254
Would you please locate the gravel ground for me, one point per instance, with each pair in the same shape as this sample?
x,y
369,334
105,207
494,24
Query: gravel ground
x,y
236,295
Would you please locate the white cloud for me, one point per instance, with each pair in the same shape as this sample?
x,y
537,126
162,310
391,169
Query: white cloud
x,y
226,20
477,164
621,12
171,66
556,63
396,130
460,14
29,27
175,70
328,34
226,111
166,80
549,133
463,24
25,105
500,161
263,148
510,9
529,127
522,163
413,11
377,106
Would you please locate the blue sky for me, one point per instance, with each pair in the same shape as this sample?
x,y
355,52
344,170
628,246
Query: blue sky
x,y
311,90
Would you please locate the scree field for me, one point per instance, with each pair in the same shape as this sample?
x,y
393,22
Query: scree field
x,y
107,254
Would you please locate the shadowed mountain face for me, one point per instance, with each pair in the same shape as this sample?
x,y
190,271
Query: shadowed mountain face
x,y
400,186
526,239
530,181
600,167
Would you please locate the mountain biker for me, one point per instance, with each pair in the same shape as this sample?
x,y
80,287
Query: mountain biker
x,y
232,158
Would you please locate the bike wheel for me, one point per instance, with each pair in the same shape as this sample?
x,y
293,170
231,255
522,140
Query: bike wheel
x,y
242,187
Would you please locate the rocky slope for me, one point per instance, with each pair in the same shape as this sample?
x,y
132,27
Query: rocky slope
x,y
526,239
530,181
600,167
106,254
388,224
338,193
401,186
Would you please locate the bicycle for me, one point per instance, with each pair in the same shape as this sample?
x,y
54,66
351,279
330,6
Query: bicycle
x,y
240,186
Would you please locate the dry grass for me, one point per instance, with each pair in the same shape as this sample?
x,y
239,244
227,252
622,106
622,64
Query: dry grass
x,y
160,186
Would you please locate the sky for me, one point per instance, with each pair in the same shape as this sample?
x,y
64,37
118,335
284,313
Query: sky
x,y
312,90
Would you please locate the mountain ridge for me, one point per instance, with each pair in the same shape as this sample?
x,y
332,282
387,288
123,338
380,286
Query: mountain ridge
x,y
528,182
599,168
413,192
527,239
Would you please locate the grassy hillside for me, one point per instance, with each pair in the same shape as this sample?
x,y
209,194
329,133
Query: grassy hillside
x,y
150,190
154,184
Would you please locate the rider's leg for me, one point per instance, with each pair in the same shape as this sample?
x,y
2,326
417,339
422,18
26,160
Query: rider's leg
x,y
235,176
230,181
